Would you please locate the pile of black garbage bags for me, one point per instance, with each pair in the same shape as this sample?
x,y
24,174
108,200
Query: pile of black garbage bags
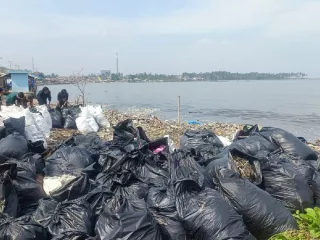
x,y
65,117
132,188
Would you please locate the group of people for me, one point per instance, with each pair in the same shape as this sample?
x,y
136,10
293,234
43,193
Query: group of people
x,y
43,98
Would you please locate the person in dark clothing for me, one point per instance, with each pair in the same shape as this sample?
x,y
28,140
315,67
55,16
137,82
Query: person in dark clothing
x,y
1,93
44,95
63,98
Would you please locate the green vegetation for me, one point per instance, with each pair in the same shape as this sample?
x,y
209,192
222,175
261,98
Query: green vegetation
x,y
152,77
214,76
309,226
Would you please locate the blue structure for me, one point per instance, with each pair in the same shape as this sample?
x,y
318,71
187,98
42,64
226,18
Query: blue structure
x,y
19,81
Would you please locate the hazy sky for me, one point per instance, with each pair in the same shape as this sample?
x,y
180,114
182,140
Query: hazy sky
x,y
167,36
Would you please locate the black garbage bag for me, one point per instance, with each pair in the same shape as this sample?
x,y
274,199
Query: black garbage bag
x,y
70,123
247,130
36,147
92,142
203,143
3,132
28,189
151,168
315,186
65,113
205,215
14,146
8,196
73,235
15,125
253,144
99,198
58,218
249,167
26,167
132,221
289,143
68,160
134,190
302,166
161,203
263,215
74,111
76,188
21,228
223,160
283,181
186,169
56,117
125,134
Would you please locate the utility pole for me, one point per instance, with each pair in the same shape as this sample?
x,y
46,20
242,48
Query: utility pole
x,y
10,62
32,65
117,61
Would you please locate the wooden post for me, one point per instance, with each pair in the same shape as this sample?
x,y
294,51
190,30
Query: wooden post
x,y
179,111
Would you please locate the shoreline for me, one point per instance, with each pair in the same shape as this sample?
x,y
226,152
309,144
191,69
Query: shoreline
x,y
164,81
156,128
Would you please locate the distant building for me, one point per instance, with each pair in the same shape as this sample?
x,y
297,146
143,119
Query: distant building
x,y
105,73
19,81
3,70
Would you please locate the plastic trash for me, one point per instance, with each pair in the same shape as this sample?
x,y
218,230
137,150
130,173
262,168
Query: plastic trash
x,y
171,144
68,161
56,117
203,143
225,141
38,125
86,123
15,125
205,215
51,184
8,196
284,182
66,216
74,235
132,221
46,124
162,205
28,190
21,228
289,143
251,145
99,198
263,215
194,122
70,123
74,189
13,146
97,113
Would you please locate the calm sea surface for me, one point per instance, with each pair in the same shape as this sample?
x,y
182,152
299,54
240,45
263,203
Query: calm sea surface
x,y
293,105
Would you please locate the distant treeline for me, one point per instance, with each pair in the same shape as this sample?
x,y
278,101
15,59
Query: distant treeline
x,y
222,75
212,76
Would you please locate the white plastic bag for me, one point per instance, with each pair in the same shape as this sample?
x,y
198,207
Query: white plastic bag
x,y
171,144
97,113
37,129
86,123
225,141
46,120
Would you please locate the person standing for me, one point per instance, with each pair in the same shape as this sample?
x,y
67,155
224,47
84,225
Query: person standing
x,y
15,99
43,96
62,98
